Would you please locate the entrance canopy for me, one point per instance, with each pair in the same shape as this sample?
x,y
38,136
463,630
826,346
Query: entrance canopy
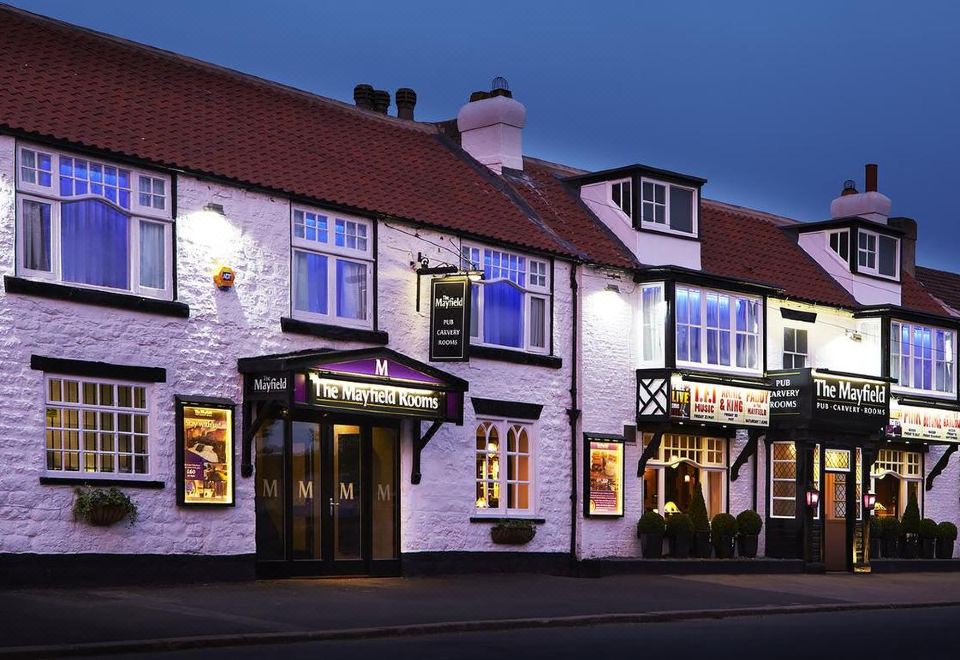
x,y
366,382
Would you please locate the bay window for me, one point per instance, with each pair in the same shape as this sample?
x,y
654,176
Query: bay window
x,y
668,207
511,306
717,328
504,467
652,324
96,427
93,224
894,477
922,358
332,268
684,464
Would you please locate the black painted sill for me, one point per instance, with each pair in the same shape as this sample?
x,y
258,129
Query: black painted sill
x,y
94,297
500,519
515,357
299,327
95,483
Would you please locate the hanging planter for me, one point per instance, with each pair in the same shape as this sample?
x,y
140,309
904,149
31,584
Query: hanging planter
x,y
103,507
513,532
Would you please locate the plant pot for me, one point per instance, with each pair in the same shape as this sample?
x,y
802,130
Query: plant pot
x,y
876,546
104,516
928,548
652,545
908,547
724,545
944,549
701,545
890,549
503,535
680,547
748,545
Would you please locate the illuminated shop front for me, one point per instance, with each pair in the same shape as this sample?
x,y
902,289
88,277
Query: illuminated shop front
x,y
326,429
826,431
687,422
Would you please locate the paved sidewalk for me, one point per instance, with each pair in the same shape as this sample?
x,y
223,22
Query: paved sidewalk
x,y
47,617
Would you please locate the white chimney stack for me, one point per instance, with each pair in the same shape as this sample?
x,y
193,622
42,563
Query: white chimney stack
x,y
870,204
491,128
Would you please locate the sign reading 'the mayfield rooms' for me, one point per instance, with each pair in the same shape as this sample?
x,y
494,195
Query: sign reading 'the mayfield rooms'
x,y
354,396
450,319
806,395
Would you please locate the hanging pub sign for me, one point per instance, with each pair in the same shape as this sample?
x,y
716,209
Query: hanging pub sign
x,y
916,423
205,452
818,397
603,476
719,404
450,319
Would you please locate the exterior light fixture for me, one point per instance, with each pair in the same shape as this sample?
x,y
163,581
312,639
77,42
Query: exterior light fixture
x,y
214,208
475,275
869,501
813,497
613,287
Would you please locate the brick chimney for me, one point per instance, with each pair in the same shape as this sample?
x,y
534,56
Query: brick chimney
x,y
491,127
406,100
870,204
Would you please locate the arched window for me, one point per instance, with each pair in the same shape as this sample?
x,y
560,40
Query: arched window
x,y
504,470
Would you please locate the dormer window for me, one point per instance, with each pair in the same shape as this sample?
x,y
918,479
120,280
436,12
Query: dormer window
x,y
668,207
621,194
840,244
877,254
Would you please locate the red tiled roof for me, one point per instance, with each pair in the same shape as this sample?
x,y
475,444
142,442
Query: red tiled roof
x,y
942,284
98,91
750,245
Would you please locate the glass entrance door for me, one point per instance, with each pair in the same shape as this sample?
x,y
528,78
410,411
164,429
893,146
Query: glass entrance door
x,y
837,509
337,512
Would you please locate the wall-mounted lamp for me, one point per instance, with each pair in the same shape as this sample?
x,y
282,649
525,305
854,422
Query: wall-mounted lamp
x,y
854,335
813,497
869,501
475,275
214,208
612,287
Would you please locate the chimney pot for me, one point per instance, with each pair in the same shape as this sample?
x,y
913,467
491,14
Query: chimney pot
x,y
849,188
406,100
871,178
381,101
363,96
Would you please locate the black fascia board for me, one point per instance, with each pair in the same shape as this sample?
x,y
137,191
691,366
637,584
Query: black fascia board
x,y
895,312
843,223
636,168
690,276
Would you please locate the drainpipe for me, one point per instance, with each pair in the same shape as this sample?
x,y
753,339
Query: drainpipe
x,y
573,413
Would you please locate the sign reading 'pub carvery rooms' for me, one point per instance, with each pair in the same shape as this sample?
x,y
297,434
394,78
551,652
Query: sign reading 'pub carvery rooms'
x,y
808,396
450,319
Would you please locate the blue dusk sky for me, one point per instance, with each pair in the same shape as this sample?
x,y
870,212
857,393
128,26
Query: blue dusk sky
x,y
775,103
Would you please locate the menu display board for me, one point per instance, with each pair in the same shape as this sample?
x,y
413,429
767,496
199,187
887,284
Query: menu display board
x,y
723,404
916,423
205,454
450,319
603,477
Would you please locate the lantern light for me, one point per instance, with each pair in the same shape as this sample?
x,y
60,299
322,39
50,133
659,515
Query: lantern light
x,y
869,501
813,496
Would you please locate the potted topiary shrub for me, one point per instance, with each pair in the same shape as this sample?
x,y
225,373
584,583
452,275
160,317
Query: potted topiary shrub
x,y
650,529
876,536
910,529
890,532
701,526
103,506
723,530
928,538
946,535
749,524
513,532
680,532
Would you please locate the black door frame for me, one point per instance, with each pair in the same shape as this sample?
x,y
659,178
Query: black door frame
x,y
329,566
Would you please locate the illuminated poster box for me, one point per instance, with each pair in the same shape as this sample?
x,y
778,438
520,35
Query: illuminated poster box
x,y
603,476
205,452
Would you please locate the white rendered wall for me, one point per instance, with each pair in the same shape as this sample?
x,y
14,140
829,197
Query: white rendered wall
x,y
651,248
866,290
942,502
200,355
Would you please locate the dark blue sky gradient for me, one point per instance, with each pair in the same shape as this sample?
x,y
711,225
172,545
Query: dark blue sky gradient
x,y
775,103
